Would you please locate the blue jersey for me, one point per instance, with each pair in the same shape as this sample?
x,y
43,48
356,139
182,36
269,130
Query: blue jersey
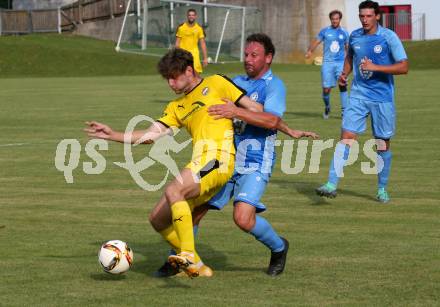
x,y
256,146
334,40
382,48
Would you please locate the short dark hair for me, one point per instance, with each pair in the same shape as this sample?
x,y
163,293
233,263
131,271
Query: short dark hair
x,y
368,4
335,12
174,63
191,10
264,40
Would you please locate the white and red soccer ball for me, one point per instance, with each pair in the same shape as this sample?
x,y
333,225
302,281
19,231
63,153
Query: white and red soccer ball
x,y
115,257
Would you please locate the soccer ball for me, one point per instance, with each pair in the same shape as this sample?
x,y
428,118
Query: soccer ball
x,y
115,257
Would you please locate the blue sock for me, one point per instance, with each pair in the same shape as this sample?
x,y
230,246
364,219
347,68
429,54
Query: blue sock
x,y
264,233
382,177
195,230
326,98
337,164
344,101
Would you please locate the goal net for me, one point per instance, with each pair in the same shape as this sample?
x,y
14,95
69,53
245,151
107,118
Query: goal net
x,y
149,27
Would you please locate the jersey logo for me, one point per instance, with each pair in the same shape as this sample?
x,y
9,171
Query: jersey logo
x,y
365,74
254,96
205,91
180,106
377,49
341,36
197,105
334,47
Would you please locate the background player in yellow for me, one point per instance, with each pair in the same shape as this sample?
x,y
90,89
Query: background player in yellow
x,y
188,36
209,169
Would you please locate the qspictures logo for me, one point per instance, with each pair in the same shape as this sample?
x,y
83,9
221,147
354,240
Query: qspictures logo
x,y
297,156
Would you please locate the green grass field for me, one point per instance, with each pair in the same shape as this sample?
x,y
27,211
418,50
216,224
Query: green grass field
x,y
347,251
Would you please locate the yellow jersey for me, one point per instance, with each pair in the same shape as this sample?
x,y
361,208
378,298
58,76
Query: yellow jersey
x,y
189,40
191,111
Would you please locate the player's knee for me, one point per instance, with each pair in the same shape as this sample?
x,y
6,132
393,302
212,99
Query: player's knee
x,y
326,90
244,221
173,194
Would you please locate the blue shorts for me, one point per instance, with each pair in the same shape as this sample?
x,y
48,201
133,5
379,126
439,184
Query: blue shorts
x,y
247,188
330,72
383,117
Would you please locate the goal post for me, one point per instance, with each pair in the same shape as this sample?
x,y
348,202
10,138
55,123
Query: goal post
x,y
149,27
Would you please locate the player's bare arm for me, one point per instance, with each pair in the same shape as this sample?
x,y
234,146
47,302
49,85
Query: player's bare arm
x,y
249,104
399,68
348,67
259,119
102,131
312,47
204,51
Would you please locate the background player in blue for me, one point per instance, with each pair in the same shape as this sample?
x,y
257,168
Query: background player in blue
x,y
255,151
335,40
375,54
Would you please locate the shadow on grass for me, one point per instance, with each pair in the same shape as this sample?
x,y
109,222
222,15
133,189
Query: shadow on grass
x,y
107,276
343,192
304,188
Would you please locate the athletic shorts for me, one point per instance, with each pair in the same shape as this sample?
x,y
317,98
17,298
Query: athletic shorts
x,y
247,188
213,173
383,117
330,72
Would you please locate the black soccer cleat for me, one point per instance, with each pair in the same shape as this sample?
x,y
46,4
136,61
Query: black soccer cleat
x,y
278,260
166,270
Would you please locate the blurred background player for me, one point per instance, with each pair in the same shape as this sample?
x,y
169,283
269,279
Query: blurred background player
x,y
253,163
188,36
375,54
335,40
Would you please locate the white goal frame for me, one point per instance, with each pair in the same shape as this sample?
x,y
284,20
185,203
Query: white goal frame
x,y
142,11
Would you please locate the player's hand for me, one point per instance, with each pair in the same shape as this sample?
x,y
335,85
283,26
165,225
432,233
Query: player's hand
x,y
205,62
98,130
227,110
297,134
343,79
367,64
308,54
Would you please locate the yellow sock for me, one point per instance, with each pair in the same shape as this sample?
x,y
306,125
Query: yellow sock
x,y
171,237
182,222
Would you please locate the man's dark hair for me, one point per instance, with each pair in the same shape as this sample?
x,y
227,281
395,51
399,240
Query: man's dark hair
x,y
368,4
264,40
191,10
335,12
174,63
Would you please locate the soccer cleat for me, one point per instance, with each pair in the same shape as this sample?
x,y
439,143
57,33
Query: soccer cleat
x,y
327,190
278,260
326,113
382,196
184,261
166,270
204,271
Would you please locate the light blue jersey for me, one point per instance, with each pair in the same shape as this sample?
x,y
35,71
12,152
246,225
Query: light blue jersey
x,y
382,48
256,146
334,40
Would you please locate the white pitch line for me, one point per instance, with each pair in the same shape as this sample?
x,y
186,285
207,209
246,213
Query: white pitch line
x,y
14,144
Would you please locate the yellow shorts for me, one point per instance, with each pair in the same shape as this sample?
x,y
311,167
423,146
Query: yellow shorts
x,y
197,64
212,174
